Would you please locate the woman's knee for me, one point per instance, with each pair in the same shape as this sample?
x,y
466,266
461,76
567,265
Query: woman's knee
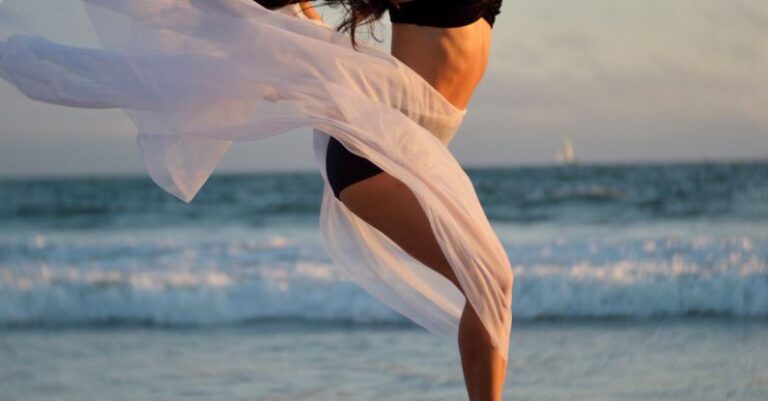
x,y
506,280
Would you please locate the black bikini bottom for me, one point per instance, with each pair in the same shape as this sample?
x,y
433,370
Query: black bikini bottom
x,y
345,168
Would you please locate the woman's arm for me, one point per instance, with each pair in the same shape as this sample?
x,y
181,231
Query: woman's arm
x,y
309,11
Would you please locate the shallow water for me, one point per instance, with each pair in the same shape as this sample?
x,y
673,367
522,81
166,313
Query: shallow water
x,y
690,359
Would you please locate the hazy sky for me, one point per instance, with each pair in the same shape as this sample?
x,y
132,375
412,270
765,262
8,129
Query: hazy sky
x,y
626,81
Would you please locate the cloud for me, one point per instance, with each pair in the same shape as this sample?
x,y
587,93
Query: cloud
x,y
752,15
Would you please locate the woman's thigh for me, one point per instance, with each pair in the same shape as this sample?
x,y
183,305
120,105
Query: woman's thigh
x,y
390,206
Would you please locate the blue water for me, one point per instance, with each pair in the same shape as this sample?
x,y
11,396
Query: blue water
x,y
632,270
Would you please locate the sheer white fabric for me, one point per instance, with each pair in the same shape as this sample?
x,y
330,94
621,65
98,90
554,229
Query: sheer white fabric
x,y
196,75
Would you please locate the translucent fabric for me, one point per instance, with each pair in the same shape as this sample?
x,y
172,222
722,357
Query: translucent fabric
x,y
196,75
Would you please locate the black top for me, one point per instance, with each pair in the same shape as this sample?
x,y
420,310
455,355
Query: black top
x,y
445,13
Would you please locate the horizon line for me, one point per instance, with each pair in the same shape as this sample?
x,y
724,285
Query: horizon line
x,y
552,164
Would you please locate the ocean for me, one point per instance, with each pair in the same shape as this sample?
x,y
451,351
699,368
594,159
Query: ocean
x,y
632,282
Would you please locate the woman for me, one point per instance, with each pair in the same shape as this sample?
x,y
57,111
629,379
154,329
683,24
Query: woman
x,y
398,213
446,42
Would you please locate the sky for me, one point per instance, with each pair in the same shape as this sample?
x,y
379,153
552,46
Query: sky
x,y
627,82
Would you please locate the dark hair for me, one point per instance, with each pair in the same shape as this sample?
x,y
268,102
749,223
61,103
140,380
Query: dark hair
x,y
357,12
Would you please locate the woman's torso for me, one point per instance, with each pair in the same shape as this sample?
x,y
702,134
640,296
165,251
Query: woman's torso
x,y
452,59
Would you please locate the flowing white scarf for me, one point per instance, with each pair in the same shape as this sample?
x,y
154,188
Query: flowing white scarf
x,y
196,75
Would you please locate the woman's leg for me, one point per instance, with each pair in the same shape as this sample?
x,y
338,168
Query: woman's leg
x,y
389,205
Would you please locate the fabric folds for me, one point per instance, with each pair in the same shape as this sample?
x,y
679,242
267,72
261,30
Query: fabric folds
x,y
194,76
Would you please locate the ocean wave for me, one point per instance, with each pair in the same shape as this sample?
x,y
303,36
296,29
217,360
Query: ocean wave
x,y
213,276
319,292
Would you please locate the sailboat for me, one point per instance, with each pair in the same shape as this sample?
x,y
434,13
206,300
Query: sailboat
x,y
566,154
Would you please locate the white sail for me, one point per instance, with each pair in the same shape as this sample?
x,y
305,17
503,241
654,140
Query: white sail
x,y
567,154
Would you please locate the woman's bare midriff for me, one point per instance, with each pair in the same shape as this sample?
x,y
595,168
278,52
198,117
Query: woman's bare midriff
x,y
453,60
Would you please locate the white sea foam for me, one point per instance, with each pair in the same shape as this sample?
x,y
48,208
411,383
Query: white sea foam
x,y
320,292
183,296
213,277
